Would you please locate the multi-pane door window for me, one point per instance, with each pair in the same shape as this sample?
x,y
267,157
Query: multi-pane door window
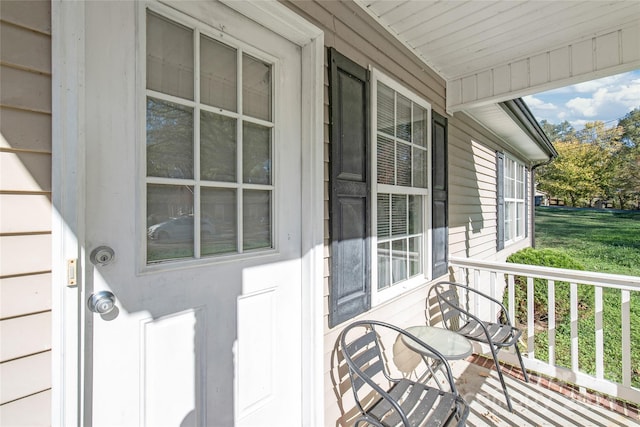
x,y
402,152
209,145
514,200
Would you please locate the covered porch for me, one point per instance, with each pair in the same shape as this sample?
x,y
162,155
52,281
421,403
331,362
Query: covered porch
x,y
573,381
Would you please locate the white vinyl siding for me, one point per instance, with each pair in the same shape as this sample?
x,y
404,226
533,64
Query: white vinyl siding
x,y
25,213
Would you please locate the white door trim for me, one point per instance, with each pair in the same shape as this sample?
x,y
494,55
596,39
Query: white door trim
x,y
68,63
67,57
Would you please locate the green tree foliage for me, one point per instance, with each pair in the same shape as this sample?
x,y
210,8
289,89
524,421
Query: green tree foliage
x,y
594,163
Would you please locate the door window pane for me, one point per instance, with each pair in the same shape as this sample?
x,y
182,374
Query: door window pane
x,y
218,228
169,57
218,147
169,139
256,154
170,227
218,74
256,88
256,231
214,197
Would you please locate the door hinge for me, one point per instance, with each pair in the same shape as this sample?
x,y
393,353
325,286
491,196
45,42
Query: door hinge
x,y
72,272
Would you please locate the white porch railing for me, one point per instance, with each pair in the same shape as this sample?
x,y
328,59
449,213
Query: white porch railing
x,y
493,277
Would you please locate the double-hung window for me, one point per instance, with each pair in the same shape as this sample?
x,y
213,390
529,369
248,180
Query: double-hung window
x,y
401,167
514,200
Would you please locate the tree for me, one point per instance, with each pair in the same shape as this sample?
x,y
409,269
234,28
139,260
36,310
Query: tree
x,y
563,131
628,178
595,162
630,125
573,174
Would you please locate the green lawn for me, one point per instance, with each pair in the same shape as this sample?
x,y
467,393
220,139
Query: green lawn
x,y
602,241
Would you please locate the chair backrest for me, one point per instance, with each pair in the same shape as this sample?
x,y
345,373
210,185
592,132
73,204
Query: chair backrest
x,y
364,354
364,358
449,302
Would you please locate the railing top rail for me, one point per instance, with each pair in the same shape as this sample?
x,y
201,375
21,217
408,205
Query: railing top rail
x,y
619,281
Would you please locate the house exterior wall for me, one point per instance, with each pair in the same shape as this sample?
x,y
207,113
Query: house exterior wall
x,y
25,213
25,193
472,173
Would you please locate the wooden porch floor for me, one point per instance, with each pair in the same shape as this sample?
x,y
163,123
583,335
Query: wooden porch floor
x,y
537,403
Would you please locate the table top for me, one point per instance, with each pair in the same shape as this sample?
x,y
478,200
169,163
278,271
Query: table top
x,y
450,344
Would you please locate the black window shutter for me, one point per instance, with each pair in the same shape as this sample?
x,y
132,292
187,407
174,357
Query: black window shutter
x,y
500,200
350,181
439,201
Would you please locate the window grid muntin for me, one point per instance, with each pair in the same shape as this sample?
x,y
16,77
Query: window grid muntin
x,y
196,183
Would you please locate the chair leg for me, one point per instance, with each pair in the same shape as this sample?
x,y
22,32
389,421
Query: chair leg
x,y
524,371
504,385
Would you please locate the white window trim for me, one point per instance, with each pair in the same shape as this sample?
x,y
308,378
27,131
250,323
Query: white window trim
x,y
380,296
513,227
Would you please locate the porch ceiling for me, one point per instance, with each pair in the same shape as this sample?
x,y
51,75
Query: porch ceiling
x,y
491,51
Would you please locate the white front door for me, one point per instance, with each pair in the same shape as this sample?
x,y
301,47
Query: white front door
x,y
193,181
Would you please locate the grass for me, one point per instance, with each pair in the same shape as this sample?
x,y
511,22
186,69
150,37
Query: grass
x,y
593,240
603,241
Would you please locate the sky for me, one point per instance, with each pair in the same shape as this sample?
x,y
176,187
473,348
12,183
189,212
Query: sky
x,y
607,99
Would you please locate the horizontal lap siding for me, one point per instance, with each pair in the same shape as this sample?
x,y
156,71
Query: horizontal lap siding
x,y
25,213
472,190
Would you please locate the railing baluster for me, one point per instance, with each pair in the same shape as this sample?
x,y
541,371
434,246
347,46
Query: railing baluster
x,y
574,326
551,311
512,298
599,334
530,319
476,285
492,294
626,338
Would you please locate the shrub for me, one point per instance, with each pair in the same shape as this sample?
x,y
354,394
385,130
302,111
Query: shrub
x,y
546,258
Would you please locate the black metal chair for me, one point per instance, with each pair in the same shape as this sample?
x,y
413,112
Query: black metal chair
x,y
497,335
385,400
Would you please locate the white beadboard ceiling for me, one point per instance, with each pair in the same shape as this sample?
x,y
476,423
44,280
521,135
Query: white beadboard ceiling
x,y
492,51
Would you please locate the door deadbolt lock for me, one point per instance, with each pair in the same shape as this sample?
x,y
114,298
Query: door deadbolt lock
x,y
102,302
102,255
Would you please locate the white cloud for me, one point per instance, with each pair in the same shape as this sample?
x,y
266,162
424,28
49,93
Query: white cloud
x,y
586,107
539,104
622,97
607,99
